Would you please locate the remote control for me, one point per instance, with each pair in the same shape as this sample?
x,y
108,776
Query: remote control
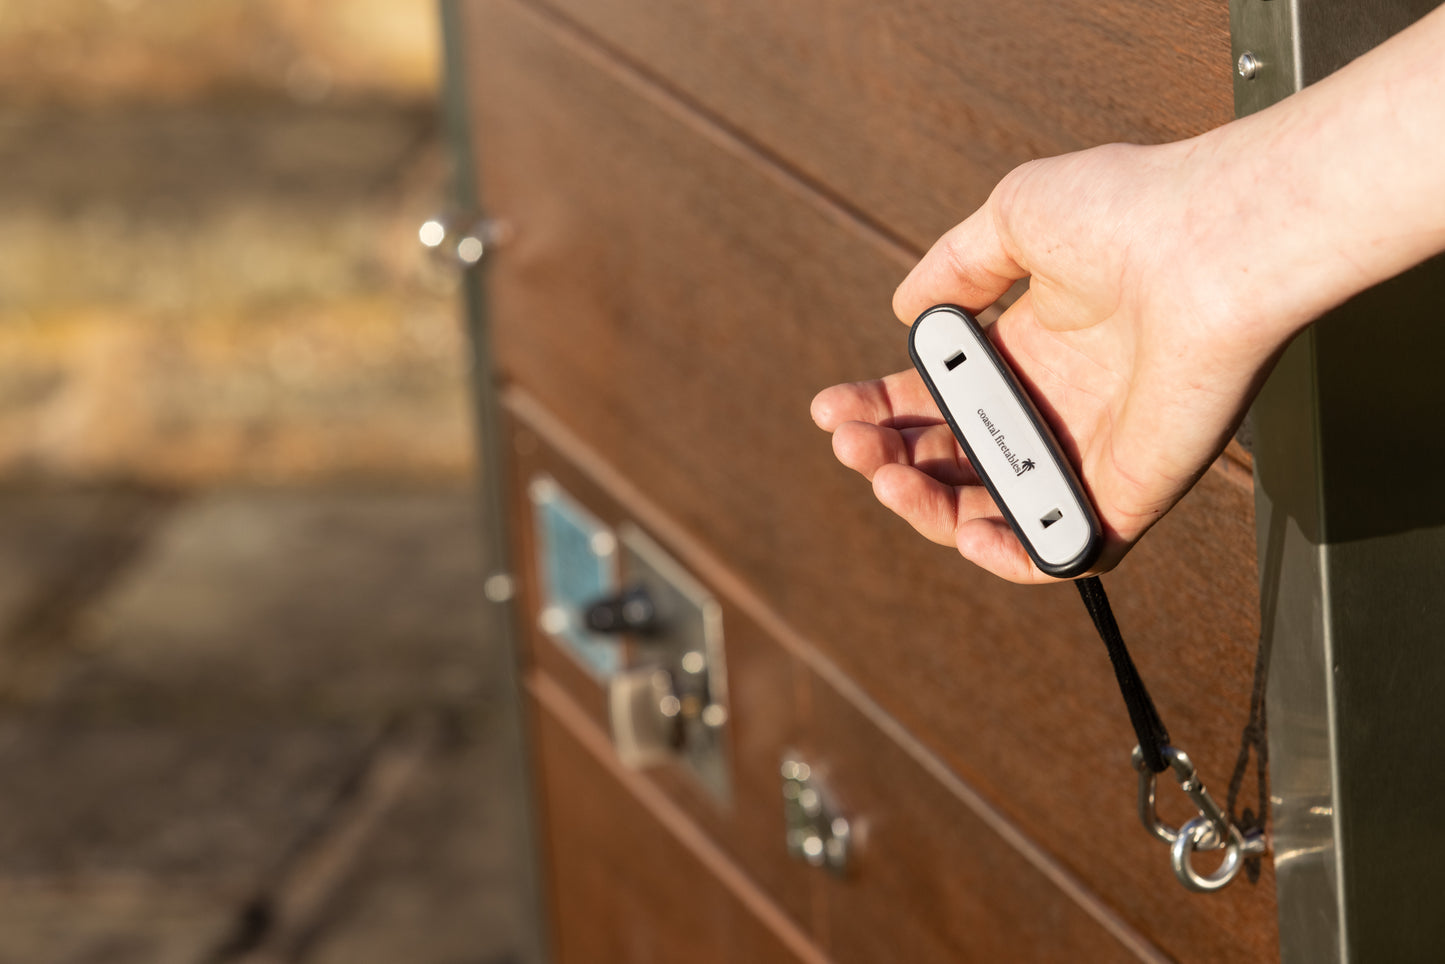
x,y
1006,440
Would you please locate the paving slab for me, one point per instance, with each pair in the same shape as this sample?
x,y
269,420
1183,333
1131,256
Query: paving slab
x,y
144,843
437,884
214,810
50,535
233,725
286,605
125,921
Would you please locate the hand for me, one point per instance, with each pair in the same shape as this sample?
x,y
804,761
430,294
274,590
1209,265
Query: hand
x,y
1163,282
1132,339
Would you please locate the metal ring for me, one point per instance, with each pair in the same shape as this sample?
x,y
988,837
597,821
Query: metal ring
x,y
1190,836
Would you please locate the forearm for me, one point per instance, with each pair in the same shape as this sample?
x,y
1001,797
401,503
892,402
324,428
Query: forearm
x,y
1335,189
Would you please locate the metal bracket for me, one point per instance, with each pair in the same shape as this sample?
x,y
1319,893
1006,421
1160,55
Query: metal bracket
x,y
462,241
816,832
671,704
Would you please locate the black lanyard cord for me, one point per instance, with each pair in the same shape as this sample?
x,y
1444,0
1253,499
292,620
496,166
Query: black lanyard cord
x,y
1153,737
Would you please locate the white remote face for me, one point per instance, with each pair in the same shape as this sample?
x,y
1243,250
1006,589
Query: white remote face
x,y
1006,440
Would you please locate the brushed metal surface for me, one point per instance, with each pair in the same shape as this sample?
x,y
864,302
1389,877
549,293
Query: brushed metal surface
x,y
1351,543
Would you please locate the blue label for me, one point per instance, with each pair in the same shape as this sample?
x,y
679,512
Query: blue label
x,y
575,576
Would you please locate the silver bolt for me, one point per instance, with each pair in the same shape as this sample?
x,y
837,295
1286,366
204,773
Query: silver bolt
x,y
603,543
553,620
1248,66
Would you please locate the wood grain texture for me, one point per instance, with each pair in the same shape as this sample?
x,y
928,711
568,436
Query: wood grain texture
x,y
631,881
675,303
913,110
886,774
932,881
761,688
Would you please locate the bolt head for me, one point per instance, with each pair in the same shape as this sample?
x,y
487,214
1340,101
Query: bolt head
x,y
1248,65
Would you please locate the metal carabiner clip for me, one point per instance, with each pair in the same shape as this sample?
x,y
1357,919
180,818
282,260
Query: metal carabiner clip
x,y
1211,830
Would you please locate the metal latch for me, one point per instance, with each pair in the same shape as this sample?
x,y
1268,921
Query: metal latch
x,y
671,704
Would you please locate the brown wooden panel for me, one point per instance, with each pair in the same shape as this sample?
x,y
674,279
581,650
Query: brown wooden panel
x,y
913,110
631,881
761,688
934,880
672,304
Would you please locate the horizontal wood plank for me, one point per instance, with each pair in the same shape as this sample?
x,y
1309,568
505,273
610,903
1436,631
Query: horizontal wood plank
x,y
913,110
933,880
630,880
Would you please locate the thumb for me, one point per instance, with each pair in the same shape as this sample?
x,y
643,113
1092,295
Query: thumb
x,y
969,266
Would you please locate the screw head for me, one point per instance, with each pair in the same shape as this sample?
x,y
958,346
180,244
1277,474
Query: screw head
x,y
499,587
553,620
1248,65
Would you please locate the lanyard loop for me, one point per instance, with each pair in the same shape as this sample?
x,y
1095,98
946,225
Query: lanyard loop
x,y
1211,829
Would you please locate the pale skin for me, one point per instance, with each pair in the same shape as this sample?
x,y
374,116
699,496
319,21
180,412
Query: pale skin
x,y
1164,282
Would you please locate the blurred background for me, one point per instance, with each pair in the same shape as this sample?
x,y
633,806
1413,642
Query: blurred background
x,y
243,708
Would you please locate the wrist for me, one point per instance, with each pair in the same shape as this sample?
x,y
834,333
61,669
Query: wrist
x,y
1330,191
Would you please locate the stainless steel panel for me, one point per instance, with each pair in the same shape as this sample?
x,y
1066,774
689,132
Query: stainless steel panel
x,y
1264,30
1348,460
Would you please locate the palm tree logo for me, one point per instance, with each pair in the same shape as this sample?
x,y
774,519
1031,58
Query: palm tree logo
x,y
1028,464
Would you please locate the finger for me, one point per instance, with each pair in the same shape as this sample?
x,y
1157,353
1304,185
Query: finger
x,y
969,266
865,448
990,544
896,400
934,509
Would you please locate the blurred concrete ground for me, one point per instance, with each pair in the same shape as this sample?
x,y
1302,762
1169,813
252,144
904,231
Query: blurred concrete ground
x,y
243,684
246,725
